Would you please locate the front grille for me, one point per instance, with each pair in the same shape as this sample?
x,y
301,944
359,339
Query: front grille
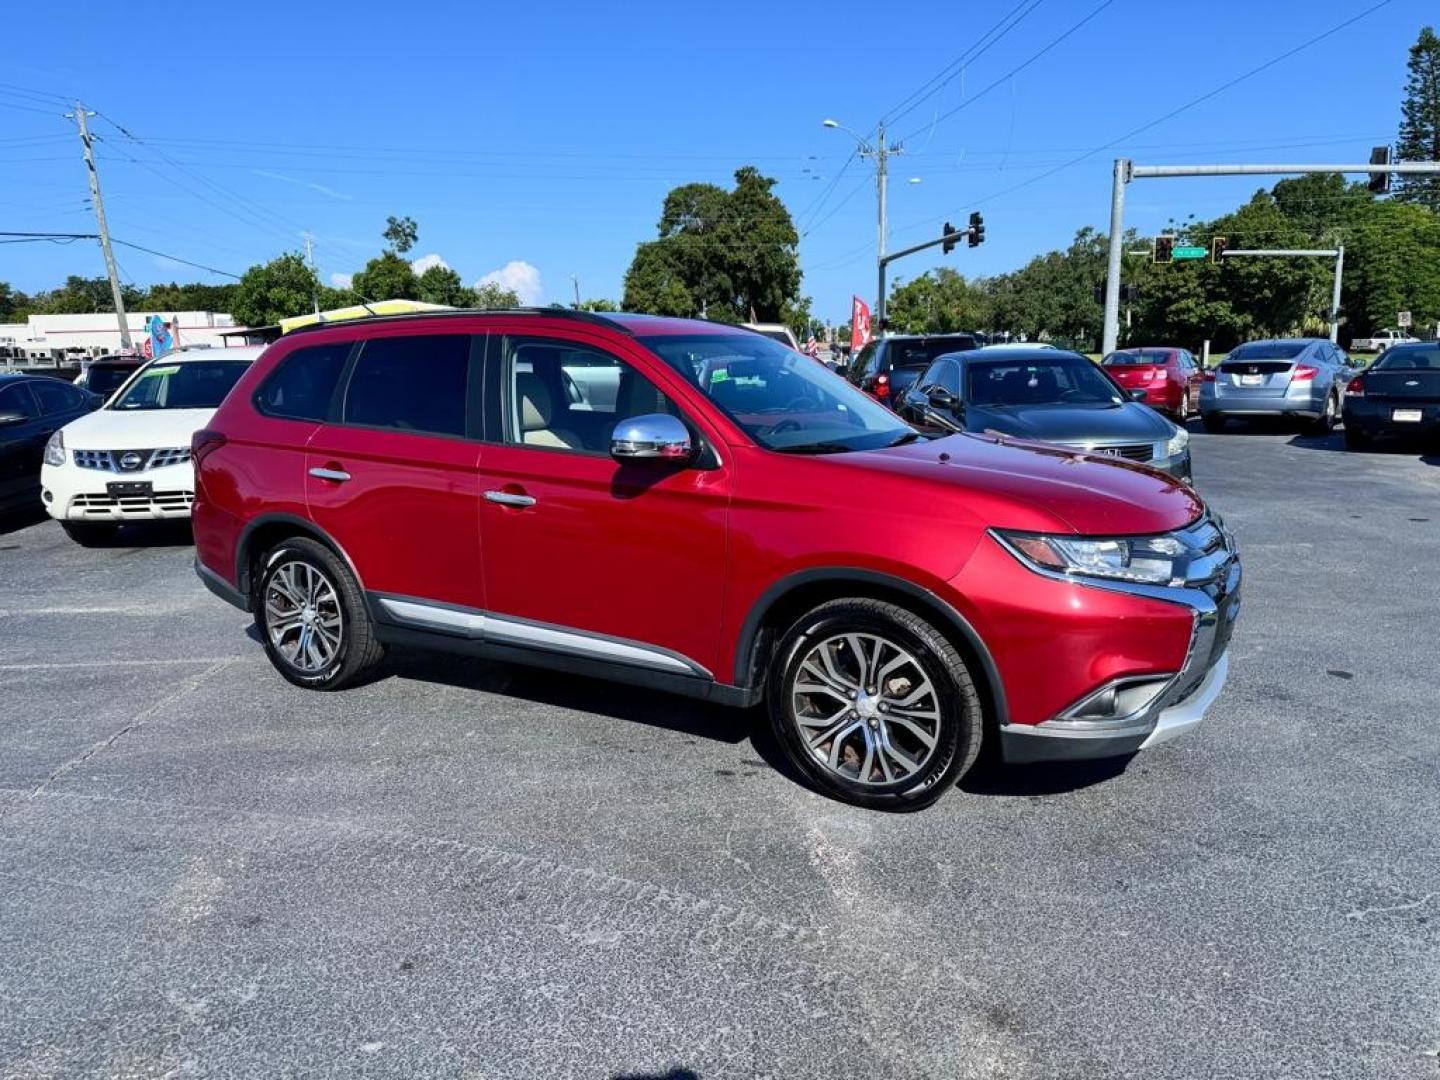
x,y
130,461
109,507
1142,452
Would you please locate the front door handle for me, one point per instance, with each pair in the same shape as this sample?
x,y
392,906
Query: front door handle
x,y
509,498
339,476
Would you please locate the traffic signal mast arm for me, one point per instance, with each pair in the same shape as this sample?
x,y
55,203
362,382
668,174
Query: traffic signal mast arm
x,y
949,239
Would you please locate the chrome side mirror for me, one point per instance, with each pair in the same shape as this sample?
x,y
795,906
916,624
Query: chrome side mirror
x,y
654,436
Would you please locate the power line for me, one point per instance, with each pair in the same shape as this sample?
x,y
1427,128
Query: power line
x,y
1018,68
1193,101
67,238
973,52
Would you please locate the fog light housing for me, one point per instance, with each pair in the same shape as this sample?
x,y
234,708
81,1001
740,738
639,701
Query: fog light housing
x,y
1118,701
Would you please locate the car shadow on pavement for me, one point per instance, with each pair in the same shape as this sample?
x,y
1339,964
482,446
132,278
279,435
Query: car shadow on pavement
x,y
673,1074
617,700
148,534
990,776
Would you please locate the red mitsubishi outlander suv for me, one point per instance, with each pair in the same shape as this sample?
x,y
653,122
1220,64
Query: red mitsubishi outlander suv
x,y
698,509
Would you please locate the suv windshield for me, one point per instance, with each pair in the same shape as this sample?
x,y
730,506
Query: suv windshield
x,y
194,384
780,398
1062,381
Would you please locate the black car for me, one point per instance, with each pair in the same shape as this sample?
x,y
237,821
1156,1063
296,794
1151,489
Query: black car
x,y
1398,395
106,374
32,408
886,368
1048,395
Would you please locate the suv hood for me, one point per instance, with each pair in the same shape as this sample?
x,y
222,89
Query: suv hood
x,y
1093,496
109,429
1072,423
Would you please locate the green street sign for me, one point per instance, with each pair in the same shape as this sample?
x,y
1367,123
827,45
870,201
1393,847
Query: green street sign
x,y
1190,253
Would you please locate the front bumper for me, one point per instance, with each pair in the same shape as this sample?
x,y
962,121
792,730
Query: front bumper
x,y
71,493
1177,708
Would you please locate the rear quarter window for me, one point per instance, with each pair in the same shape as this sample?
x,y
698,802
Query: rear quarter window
x,y
413,383
303,384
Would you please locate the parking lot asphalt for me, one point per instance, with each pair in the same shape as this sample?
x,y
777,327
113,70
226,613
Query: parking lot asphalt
x,y
465,869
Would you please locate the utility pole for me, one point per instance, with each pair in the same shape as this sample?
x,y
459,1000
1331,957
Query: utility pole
x,y
1127,171
310,262
81,118
575,280
882,181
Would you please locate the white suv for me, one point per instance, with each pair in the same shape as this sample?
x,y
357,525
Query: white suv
x,y
130,461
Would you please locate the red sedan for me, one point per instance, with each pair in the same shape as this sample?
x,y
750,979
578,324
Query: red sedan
x,y
1171,378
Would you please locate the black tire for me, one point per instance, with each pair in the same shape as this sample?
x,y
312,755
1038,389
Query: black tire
x,y
356,652
1214,422
90,534
1355,439
955,731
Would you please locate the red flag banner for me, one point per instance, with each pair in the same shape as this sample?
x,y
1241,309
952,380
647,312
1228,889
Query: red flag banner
x,y
860,334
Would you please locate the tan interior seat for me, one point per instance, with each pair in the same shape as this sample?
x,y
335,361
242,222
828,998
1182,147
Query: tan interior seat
x,y
537,409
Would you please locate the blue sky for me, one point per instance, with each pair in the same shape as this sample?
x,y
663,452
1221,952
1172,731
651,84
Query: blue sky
x,y
543,139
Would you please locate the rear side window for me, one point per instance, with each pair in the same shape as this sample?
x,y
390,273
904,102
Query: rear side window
x,y
16,399
302,386
57,397
414,383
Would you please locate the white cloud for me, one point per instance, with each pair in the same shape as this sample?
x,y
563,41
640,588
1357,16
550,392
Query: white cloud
x,y
342,281
519,276
425,262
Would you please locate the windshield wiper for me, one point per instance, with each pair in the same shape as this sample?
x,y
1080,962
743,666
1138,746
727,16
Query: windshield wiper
x,y
814,448
906,437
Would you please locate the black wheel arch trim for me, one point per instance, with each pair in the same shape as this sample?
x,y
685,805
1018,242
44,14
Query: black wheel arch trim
x,y
745,652
303,527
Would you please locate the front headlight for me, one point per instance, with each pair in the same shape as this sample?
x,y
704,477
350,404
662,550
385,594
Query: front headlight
x,y
54,450
1176,446
1154,560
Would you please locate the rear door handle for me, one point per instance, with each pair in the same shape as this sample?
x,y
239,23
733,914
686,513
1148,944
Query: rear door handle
x,y
337,475
509,498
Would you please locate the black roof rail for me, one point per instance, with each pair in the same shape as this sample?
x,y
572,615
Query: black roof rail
x,y
594,318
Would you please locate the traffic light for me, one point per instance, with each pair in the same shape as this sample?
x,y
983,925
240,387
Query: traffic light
x,y
1380,181
1217,249
977,229
949,244
1164,249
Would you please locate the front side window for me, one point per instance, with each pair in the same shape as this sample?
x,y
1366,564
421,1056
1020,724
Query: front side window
x,y
194,384
415,383
780,398
1064,380
943,373
17,400
57,398
302,386
565,396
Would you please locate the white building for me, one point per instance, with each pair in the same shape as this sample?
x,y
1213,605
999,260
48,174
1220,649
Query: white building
x,y
71,338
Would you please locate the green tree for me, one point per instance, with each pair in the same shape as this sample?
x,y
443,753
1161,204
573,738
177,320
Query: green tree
x,y
441,285
401,233
730,255
80,295
599,304
386,277
1420,121
937,302
1395,267
14,304
492,297
191,297
276,290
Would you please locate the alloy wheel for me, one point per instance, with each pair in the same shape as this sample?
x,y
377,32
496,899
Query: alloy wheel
x,y
865,709
303,617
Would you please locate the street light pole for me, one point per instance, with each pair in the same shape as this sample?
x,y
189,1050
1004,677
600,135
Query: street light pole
x,y
880,151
